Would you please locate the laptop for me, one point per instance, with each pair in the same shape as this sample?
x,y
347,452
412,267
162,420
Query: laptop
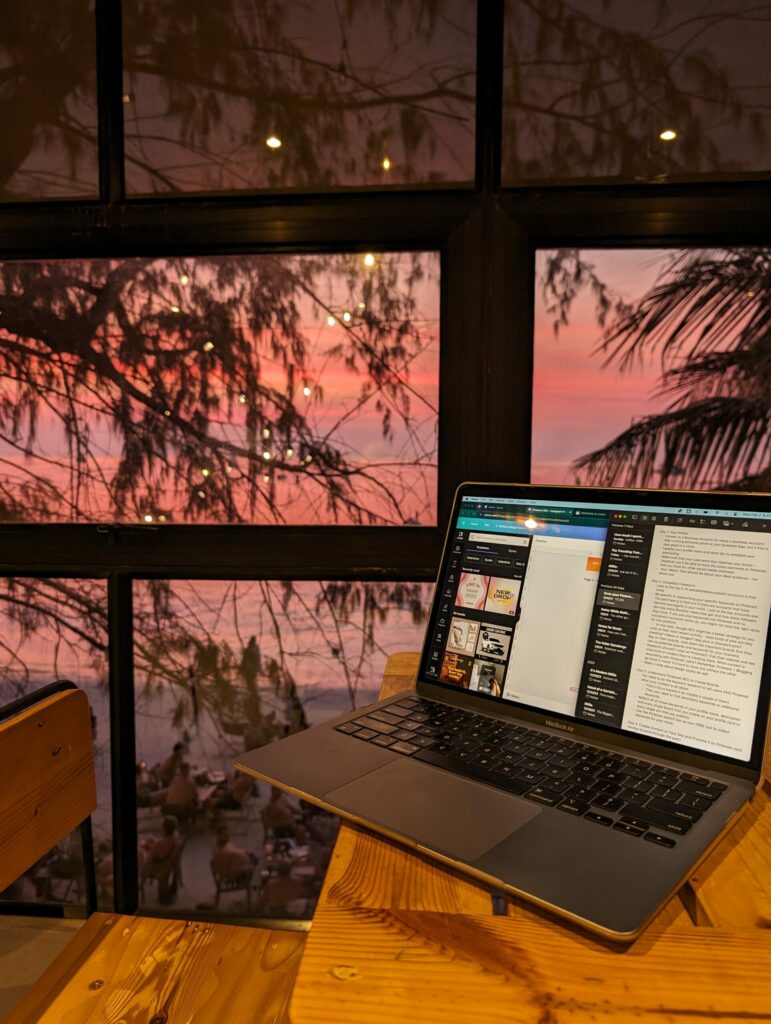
x,y
591,706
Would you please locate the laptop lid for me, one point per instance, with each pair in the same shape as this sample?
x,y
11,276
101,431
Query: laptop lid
x,y
639,614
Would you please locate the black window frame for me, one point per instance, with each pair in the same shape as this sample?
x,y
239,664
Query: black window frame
x,y
486,237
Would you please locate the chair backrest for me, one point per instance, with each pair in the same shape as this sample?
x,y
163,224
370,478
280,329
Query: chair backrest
x,y
47,782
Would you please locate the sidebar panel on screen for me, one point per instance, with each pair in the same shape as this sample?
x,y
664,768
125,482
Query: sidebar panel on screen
x,y
478,610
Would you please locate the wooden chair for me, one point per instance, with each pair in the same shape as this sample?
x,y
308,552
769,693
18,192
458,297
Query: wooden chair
x,y
118,966
241,882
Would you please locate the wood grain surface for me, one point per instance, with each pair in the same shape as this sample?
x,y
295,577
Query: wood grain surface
x,y
396,937
382,966
47,752
152,971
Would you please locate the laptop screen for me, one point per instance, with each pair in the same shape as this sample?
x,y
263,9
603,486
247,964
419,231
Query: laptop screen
x,y
649,619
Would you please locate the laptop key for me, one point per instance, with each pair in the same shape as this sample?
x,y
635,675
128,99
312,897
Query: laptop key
x,y
373,723
404,734
385,716
651,816
608,803
630,830
347,727
552,772
697,802
422,741
683,813
404,748
541,795
654,837
708,792
573,806
398,710
383,741
598,819
364,734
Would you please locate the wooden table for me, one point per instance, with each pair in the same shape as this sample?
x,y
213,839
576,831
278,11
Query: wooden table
x,y
396,937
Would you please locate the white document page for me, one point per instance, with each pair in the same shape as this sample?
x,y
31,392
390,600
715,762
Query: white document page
x,y
550,640
701,639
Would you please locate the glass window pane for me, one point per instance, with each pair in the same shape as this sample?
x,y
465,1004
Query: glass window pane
x,y
266,389
222,667
283,94
48,119
57,629
652,368
638,92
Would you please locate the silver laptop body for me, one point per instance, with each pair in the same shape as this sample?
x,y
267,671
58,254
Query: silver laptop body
x,y
591,706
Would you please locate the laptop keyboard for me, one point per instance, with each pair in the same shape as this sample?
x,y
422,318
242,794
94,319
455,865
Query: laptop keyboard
x,y
633,796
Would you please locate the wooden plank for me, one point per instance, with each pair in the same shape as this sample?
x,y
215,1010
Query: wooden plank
x,y
170,972
733,886
47,752
400,673
368,871
381,966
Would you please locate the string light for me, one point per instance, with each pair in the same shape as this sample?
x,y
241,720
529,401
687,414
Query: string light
x,y
148,518
161,519
369,260
202,494
266,432
266,456
308,458
242,399
306,391
208,346
174,309
668,135
266,478
289,453
362,305
386,164
205,472
347,316
273,142
184,280
228,468
167,412
331,321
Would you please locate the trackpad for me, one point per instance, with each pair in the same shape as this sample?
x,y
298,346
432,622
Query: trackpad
x,y
435,808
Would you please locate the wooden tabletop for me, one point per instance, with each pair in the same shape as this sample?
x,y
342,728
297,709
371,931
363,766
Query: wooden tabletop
x,y
397,937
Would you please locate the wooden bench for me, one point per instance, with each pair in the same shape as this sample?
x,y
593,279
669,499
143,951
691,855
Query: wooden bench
x,y
120,968
396,937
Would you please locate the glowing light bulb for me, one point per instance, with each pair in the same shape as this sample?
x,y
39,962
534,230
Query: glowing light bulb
x,y
174,309
208,346
202,494
331,321
205,472
228,468
242,399
161,519
273,142
362,305
530,523
266,432
167,412
386,164
668,135
369,260
266,478
308,458
289,453
347,316
266,456
306,391
148,518
184,280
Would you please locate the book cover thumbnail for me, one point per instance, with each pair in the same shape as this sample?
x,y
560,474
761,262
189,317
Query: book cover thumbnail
x,y
487,678
472,591
493,641
462,636
456,669
502,596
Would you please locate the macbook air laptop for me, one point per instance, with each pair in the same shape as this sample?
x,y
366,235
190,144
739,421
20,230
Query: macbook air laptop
x,y
591,706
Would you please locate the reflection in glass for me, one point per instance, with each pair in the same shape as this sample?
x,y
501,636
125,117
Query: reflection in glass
x,y
48,115
280,94
57,629
272,389
641,92
652,368
223,667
